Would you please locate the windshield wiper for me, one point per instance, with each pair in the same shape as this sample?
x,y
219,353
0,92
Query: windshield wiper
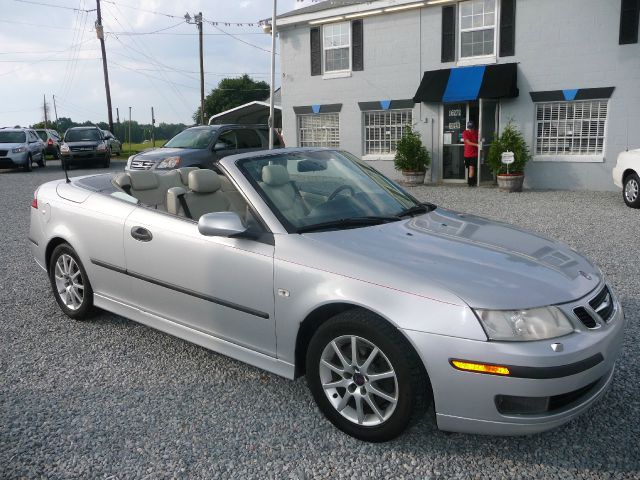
x,y
417,209
352,222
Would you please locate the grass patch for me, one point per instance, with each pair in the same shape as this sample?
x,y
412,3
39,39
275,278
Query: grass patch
x,y
139,147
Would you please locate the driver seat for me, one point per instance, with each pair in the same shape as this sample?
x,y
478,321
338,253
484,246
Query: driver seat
x,y
281,191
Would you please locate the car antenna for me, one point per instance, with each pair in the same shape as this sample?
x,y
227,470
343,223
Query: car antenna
x,y
64,167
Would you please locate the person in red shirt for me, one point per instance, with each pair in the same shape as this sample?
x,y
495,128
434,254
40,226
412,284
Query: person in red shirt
x,y
470,137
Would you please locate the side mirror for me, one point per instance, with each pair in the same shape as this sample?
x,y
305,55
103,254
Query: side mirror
x,y
221,224
220,146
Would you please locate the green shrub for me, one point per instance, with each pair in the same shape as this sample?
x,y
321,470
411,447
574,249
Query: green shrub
x,y
511,140
410,153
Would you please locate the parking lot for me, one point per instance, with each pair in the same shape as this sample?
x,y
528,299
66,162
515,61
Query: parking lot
x,y
110,398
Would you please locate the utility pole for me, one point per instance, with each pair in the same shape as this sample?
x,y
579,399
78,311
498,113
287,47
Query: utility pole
x,y
273,77
55,109
44,106
129,130
100,35
153,127
197,19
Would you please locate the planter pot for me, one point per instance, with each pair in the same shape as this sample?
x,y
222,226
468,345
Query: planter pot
x,y
510,182
412,177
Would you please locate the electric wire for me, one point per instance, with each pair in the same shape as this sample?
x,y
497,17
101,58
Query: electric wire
x,y
55,6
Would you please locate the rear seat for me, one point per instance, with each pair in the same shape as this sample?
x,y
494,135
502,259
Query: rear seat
x,y
204,195
147,186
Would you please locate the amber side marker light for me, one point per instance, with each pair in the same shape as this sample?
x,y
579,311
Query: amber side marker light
x,y
480,367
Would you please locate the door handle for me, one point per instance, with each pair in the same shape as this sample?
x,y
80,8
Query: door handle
x,y
141,234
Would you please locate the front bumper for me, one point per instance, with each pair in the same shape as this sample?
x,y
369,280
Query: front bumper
x,y
75,158
468,402
14,160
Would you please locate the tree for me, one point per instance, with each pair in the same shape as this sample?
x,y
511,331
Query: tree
x,y
232,92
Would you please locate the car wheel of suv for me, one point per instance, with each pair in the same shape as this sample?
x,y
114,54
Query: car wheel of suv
x,y
631,190
27,166
70,283
107,160
58,156
365,377
43,161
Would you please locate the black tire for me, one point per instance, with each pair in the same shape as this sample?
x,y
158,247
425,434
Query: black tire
x,y
107,160
43,161
85,309
27,166
631,190
411,390
57,155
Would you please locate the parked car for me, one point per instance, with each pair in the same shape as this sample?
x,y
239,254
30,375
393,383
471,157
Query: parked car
x,y
20,147
84,145
308,261
115,146
626,175
51,140
203,146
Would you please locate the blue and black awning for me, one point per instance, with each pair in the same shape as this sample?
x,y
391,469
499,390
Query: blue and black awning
x,y
572,94
464,84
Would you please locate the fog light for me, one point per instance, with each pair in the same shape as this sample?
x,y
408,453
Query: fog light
x,y
479,367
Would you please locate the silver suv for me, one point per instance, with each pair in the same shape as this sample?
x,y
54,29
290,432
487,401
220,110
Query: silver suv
x,y
20,147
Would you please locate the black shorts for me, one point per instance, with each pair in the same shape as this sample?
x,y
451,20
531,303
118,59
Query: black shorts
x,y
470,161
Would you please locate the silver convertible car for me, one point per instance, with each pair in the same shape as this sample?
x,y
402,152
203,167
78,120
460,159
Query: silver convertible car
x,y
309,262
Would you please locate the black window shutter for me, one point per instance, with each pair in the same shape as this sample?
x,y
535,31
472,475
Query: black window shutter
x,y
357,53
629,15
316,51
448,53
507,28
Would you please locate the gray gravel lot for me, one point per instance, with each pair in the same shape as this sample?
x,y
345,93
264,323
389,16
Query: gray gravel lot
x,y
110,398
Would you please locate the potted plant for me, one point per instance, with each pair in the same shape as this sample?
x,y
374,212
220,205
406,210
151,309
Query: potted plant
x,y
411,158
510,177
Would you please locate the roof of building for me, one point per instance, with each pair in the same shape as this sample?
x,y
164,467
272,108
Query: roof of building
x,y
320,6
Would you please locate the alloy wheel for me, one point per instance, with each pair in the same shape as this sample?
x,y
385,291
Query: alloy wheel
x,y
69,282
358,380
631,190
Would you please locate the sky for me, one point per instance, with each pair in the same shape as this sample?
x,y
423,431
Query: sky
x,y
49,47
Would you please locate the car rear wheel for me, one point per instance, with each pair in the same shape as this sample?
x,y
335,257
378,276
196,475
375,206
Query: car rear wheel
x,y
43,161
107,160
631,190
70,283
27,166
365,377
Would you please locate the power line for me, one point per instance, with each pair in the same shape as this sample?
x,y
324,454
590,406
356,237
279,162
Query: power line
x,y
16,22
55,6
146,33
49,60
239,39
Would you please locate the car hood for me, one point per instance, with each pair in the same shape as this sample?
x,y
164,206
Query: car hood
x,y
9,146
484,263
161,153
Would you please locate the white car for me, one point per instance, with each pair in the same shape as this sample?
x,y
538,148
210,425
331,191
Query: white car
x,y
626,175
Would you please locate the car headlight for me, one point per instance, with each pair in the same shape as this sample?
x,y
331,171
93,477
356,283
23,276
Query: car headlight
x,y
169,162
102,147
64,148
524,325
19,150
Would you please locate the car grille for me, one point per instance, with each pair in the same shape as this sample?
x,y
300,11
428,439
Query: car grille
x,y
141,164
3,153
602,307
81,149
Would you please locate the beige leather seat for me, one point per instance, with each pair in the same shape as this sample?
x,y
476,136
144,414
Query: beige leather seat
x,y
147,186
184,174
238,203
204,195
278,187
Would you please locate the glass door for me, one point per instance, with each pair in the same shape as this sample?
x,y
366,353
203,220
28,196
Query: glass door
x,y
489,110
454,123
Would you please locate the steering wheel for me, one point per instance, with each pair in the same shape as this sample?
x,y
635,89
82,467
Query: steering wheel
x,y
335,193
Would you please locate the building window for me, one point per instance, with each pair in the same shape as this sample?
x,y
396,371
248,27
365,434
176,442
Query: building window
x,y
337,46
477,28
383,129
570,128
319,130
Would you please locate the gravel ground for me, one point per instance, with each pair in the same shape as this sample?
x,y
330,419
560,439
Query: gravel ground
x,y
110,398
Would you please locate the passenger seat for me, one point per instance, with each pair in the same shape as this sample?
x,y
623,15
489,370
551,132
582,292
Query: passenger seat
x,y
204,195
147,186
279,188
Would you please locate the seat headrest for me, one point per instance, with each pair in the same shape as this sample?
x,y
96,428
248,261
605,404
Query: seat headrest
x,y
275,175
204,181
184,174
122,180
143,180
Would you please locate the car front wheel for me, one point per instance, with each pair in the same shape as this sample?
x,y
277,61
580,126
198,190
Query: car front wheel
x,y
70,283
631,191
365,377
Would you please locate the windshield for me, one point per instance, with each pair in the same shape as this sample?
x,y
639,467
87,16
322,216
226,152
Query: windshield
x,y
192,138
42,134
327,188
12,137
85,135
